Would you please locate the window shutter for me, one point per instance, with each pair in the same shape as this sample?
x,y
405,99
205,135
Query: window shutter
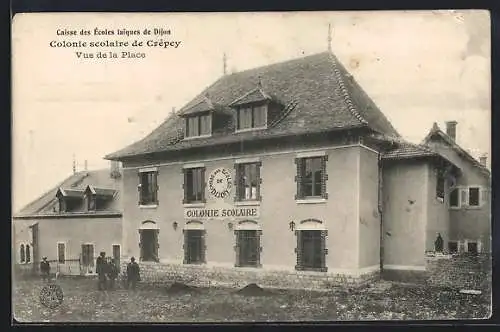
x,y
157,187
184,186
237,249
298,177
139,188
203,247
259,234
203,185
464,197
237,182
259,179
484,196
324,250
324,194
185,246
298,251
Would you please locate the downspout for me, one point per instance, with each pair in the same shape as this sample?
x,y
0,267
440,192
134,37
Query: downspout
x,y
380,211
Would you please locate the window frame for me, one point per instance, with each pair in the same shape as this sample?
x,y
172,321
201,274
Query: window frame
x,y
202,247
186,172
153,200
301,164
239,185
93,256
440,184
457,247
156,248
198,118
299,250
22,253
252,107
463,195
238,248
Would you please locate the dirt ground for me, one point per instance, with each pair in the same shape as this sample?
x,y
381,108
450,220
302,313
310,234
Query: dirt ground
x,y
382,300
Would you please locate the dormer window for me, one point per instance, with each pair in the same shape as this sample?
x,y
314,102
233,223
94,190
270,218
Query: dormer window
x,y
70,200
251,117
97,199
199,125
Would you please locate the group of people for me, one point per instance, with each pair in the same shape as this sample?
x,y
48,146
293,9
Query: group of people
x,y
106,270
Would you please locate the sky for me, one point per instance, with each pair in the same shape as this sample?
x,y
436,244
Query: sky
x,y
419,67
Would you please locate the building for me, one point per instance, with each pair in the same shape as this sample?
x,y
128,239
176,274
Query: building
x,y
71,223
285,175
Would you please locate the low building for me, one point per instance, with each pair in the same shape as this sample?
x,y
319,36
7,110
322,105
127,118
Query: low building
x,y
287,175
71,223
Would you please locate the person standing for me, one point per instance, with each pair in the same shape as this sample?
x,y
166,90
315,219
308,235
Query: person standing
x,y
45,269
133,273
101,269
112,273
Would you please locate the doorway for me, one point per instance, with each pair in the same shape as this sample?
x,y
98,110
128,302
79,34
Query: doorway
x,y
149,245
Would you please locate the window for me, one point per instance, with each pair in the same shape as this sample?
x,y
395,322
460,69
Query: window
x,y
440,184
61,252
311,177
252,117
200,125
248,181
472,247
88,254
28,253
453,247
248,248
473,196
311,250
22,257
91,203
148,188
454,199
194,246
194,185
149,245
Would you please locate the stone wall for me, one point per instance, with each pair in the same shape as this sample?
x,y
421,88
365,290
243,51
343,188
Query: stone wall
x,y
206,276
464,271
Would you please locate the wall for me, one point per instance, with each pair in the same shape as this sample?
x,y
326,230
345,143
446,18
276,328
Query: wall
x,y
369,218
470,223
405,191
102,232
277,209
437,213
21,235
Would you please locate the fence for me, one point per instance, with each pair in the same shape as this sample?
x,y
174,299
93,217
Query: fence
x,y
70,267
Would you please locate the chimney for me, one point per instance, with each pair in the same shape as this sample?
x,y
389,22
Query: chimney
x,y
451,129
483,160
115,169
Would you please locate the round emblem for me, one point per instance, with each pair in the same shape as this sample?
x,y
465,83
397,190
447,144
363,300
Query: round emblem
x,y
220,183
51,296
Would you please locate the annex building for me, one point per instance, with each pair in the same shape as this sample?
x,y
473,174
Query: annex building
x,y
289,174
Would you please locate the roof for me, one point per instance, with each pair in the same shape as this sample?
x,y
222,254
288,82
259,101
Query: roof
x,y
101,191
77,193
204,105
406,150
74,184
252,96
437,132
316,92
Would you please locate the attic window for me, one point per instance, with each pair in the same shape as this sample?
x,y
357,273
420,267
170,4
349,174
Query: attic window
x,y
199,125
251,117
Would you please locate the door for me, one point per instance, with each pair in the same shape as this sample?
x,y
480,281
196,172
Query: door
x,y
149,245
116,255
87,258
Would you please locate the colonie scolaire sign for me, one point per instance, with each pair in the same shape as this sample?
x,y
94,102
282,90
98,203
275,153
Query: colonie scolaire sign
x,y
220,184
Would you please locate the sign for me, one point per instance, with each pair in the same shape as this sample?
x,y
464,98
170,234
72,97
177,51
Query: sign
x,y
220,183
246,212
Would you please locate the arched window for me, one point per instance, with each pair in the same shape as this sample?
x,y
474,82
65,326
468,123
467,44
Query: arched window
x,y
248,244
194,242
28,254
21,254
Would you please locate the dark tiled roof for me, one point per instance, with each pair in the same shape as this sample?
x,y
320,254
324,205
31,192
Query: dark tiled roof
x,y
409,150
77,193
76,182
204,105
251,97
437,132
317,94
